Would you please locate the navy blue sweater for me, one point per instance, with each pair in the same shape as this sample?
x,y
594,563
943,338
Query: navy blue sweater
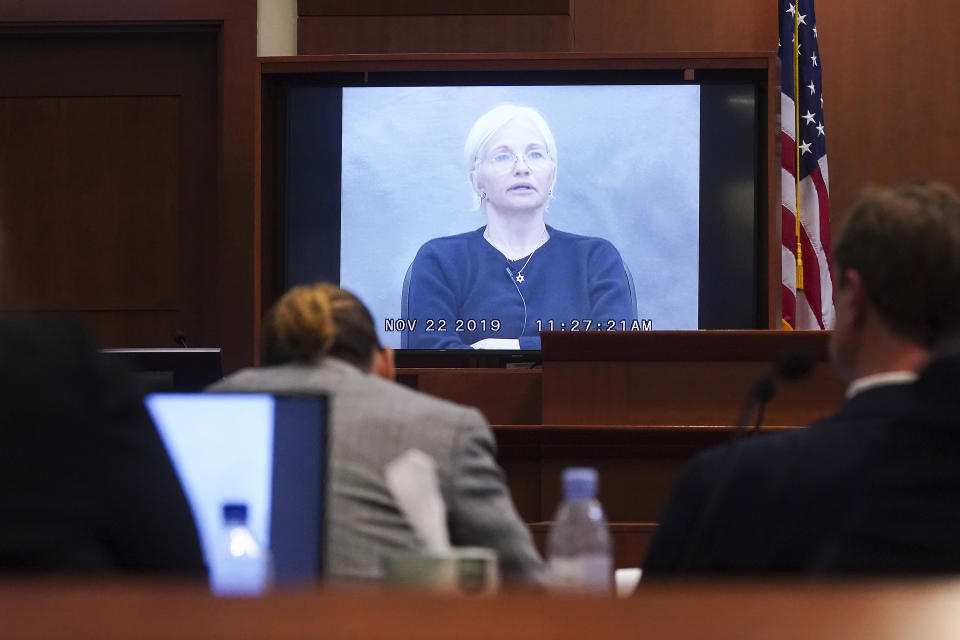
x,y
460,291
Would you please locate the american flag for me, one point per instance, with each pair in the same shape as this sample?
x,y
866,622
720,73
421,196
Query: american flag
x,y
807,282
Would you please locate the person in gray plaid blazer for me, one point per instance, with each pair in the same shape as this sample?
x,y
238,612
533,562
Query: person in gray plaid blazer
x,y
321,339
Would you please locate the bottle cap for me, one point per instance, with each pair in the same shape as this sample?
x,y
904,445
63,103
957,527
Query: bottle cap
x,y
579,483
234,512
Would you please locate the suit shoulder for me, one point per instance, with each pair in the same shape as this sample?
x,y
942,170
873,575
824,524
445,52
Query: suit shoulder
x,y
406,402
761,455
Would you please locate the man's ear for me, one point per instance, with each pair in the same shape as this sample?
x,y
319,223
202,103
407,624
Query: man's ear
x,y
384,365
855,295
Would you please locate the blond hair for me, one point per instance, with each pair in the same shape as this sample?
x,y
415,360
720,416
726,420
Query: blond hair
x,y
313,321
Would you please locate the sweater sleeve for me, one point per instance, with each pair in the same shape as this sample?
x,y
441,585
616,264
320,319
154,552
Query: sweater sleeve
x,y
433,302
610,297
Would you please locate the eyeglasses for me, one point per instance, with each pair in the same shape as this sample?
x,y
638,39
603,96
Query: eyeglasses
x,y
504,161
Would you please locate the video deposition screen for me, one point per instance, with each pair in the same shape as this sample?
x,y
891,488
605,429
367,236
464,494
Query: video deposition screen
x,y
477,215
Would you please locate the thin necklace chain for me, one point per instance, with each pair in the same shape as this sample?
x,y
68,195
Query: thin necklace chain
x,y
543,241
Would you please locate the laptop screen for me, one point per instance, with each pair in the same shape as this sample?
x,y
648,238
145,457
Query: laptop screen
x,y
265,452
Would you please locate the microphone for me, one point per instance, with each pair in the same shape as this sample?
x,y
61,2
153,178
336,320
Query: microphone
x,y
792,365
180,338
509,272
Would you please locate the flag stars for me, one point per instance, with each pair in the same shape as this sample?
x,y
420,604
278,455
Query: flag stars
x,y
801,19
815,31
814,58
804,148
812,87
792,10
820,128
809,117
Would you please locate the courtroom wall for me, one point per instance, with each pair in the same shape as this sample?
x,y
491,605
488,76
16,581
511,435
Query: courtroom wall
x,y
127,168
890,85
891,90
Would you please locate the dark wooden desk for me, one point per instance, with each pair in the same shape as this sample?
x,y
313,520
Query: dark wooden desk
x,y
740,611
637,406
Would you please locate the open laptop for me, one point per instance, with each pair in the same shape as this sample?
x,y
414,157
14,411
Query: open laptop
x,y
266,452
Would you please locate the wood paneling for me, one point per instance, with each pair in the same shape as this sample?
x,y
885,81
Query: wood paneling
x,y
144,328
103,49
680,25
671,378
668,393
91,191
637,467
890,94
111,151
637,464
504,396
425,34
432,7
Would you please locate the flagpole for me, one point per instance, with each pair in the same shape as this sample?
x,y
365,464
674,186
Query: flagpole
x,y
796,145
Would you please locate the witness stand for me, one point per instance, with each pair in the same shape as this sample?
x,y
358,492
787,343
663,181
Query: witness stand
x,y
636,405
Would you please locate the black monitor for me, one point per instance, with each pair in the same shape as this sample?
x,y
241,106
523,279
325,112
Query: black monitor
x,y
266,452
670,171
165,370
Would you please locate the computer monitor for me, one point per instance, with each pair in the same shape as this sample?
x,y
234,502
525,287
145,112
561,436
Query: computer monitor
x,y
162,370
266,452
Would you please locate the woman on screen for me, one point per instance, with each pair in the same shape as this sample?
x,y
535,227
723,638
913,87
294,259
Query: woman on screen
x,y
496,287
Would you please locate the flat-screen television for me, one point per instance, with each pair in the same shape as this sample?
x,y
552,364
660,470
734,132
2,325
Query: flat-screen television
x,y
636,202
266,454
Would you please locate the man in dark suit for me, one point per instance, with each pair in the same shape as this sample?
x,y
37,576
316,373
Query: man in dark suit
x,y
85,482
767,505
907,520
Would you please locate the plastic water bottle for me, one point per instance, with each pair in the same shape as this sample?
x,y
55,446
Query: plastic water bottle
x,y
243,567
579,548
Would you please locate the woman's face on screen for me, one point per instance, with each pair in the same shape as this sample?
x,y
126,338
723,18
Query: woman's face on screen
x,y
516,170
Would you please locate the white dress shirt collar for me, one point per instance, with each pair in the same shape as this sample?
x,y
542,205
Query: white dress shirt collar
x,y
880,380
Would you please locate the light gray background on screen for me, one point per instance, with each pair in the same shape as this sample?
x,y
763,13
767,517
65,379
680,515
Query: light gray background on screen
x,y
628,172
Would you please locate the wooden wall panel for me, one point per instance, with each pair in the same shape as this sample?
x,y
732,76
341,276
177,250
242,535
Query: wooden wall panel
x,y
537,25
69,49
677,393
432,7
891,90
432,34
147,327
91,191
681,377
105,187
504,396
680,25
